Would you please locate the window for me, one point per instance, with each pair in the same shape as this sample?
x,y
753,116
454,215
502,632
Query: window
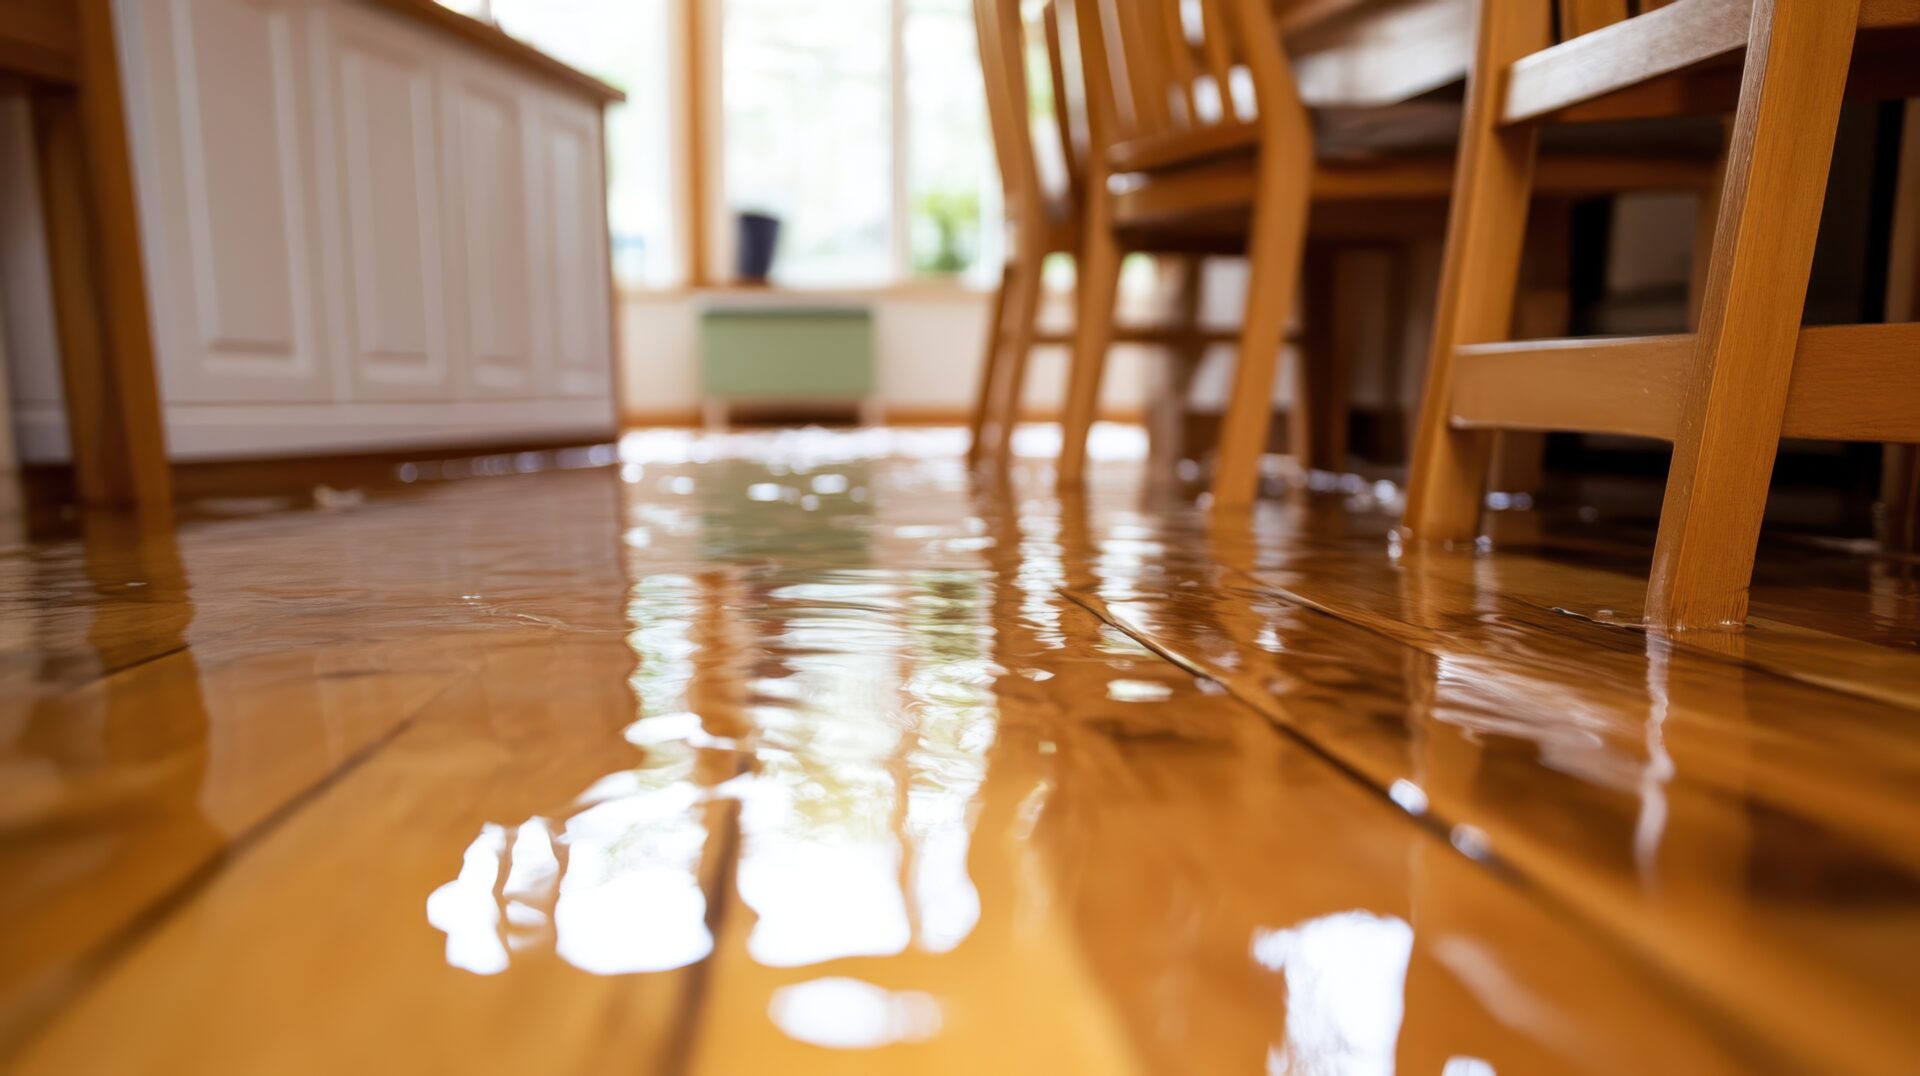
x,y
953,188
807,112
862,125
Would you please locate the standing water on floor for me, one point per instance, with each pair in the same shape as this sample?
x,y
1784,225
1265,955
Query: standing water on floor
x,y
803,751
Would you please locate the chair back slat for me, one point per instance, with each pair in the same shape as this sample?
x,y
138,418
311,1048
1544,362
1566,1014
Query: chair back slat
x,y
1002,39
1149,82
1069,103
1218,47
1171,65
1182,69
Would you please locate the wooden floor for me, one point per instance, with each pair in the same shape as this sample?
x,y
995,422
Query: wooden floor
x,y
796,753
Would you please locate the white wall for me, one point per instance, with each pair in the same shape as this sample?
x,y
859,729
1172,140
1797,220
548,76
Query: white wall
x,y
927,349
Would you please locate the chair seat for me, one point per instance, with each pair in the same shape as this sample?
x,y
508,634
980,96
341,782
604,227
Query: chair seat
x,y
1181,149
1433,126
1225,184
1426,127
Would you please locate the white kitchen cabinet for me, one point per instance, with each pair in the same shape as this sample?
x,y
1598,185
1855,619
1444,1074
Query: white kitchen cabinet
x,y
497,319
221,133
363,232
576,243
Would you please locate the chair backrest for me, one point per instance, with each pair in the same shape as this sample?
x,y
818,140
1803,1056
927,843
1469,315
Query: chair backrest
x,y
1069,102
1002,38
1152,68
1034,161
1591,49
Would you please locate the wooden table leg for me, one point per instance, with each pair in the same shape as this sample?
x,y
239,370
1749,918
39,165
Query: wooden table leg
x,y
99,294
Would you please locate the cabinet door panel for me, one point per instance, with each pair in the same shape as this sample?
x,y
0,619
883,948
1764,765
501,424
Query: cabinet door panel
x,y
577,265
220,144
389,198
491,300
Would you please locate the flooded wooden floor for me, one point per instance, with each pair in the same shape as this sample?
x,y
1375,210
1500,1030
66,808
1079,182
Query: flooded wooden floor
x,y
805,753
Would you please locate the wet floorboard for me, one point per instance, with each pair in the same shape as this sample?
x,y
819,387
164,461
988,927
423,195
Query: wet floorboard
x,y
804,753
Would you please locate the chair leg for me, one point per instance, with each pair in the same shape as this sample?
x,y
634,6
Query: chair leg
x,y
1486,232
1274,246
1317,426
1543,308
1098,276
106,352
1016,336
989,372
1706,214
1797,61
1167,410
1900,499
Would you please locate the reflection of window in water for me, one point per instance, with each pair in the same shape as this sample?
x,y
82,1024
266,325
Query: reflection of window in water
x,y
867,705
617,889
847,1014
629,900
1346,982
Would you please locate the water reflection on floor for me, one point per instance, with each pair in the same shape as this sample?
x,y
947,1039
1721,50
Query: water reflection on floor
x,y
798,751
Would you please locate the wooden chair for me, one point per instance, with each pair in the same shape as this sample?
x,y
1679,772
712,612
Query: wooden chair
x,y
1200,126
1044,220
1752,373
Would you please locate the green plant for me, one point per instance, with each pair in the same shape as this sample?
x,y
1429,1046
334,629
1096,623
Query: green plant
x,y
955,219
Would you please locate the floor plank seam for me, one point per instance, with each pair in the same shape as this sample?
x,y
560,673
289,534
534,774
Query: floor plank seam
x,y
1731,1027
99,964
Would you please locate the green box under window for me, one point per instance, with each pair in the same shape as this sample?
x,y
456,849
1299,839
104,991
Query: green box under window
x,y
786,353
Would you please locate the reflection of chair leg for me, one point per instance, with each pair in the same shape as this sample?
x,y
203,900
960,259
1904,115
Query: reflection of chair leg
x,y
1736,398
989,363
1098,272
1274,244
1022,307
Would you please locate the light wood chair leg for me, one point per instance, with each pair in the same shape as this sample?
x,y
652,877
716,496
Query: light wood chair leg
x,y
1782,147
1274,246
1097,280
1900,469
1485,236
989,372
1167,410
1705,216
1317,425
1016,343
1900,499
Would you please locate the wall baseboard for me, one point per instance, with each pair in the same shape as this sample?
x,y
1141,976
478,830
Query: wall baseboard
x,y
894,416
672,419
958,416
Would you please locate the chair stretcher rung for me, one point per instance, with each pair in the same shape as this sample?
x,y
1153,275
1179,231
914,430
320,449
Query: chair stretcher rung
x,y
1850,383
